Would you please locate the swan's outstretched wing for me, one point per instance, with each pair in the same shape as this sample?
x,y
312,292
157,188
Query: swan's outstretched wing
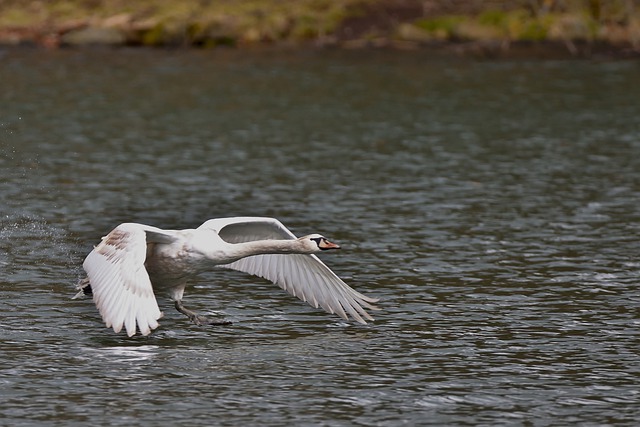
x,y
303,276
309,279
248,228
119,281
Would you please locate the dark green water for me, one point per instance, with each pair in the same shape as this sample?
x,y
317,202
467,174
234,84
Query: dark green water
x,y
492,206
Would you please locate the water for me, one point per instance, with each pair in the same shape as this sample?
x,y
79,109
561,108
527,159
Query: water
x,y
492,206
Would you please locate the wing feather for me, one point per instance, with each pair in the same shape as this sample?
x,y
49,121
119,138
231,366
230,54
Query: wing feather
x,y
309,279
121,287
246,229
303,276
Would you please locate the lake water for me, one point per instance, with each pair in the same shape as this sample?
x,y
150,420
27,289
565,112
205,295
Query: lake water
x,y
493,207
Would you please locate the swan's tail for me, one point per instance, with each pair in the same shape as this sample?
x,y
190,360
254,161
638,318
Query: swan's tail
x,y
84,288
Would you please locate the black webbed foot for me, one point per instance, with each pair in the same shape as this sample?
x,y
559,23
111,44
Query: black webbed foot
x,y
202,320
198,319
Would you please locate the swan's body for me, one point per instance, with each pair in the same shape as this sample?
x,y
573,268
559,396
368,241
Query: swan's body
x,y
134,261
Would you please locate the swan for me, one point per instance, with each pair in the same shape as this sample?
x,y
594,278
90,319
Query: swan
x,y
134,261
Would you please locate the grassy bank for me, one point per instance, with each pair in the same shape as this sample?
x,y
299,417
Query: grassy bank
x,y
170,22
490,24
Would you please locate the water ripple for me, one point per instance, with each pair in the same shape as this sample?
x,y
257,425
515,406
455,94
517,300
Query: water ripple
x,y
492,211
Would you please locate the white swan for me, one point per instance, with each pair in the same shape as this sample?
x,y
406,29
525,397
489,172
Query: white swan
x,y
134,260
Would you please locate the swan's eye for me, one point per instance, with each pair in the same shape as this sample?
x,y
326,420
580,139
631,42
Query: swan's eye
x,y
324,244
320,241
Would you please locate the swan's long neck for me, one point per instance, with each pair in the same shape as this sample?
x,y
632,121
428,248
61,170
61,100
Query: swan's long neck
x,y
260,247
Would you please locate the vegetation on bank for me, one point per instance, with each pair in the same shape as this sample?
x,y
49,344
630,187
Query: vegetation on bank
x,y
170,22
349,23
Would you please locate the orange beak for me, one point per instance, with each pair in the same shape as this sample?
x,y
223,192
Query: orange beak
x,y
326,245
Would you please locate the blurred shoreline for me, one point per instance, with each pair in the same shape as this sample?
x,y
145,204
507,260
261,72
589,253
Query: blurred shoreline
x,y
486,29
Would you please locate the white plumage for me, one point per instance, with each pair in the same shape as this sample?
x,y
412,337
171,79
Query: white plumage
x,y
134,260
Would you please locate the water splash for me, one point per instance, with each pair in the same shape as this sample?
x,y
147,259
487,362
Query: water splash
x,y
33,248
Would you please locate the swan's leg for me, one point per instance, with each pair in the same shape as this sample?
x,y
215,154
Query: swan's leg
x,y
196,318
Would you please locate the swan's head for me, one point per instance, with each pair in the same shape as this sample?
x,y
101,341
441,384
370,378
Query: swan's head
x,y
317,243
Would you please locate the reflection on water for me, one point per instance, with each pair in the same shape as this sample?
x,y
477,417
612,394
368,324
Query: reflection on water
x,y
121,354
491,206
